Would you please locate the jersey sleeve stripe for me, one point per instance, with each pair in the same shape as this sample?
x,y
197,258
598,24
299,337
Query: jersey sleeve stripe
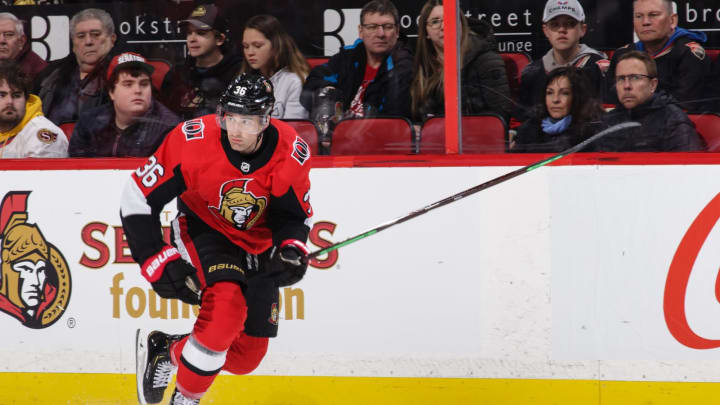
x,y
133,200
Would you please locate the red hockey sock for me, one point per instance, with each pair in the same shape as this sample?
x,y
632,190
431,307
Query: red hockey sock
x,y
203,353
245,354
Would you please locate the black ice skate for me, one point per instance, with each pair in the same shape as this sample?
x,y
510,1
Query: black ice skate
x,y
179,399
153,366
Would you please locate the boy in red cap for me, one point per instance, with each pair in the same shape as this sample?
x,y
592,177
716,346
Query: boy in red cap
x,y
133,123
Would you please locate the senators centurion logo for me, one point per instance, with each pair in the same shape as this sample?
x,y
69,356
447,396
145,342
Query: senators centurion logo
x,y
34,278
238,205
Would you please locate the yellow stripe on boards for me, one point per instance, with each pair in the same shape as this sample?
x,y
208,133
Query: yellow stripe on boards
x,y
119,389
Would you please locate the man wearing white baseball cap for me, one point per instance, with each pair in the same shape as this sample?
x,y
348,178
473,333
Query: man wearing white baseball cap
x,y
564,26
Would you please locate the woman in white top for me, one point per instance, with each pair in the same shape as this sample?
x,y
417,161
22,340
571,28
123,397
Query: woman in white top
x,y
270,51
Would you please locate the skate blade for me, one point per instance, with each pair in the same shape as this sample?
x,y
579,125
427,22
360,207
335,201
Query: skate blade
x,y
140,364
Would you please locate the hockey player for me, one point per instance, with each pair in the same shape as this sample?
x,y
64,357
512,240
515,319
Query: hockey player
x,y
242,184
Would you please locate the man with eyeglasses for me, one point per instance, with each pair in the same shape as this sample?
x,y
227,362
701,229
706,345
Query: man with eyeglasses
x,y
195,87
665,126
15,46
76,83
242,185
372,75
683,67
564,26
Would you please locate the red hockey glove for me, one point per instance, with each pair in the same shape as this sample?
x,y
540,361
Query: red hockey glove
x,y
288,262
171,276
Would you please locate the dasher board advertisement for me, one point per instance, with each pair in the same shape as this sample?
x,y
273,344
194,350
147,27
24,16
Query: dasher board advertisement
x,y
576,272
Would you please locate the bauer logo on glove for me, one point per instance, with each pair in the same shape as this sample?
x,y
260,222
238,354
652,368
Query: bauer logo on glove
x,y
171,276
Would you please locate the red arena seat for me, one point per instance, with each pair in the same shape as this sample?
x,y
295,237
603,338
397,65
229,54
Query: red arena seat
x,y
514,65
372,136
713,54
316,61
307,131
708,126
481,134
67,128
162,67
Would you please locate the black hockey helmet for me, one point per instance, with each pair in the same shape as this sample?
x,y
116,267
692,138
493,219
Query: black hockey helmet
x,y
248,94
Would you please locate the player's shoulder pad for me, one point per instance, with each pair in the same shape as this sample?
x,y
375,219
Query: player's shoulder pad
x,y
196,128
696,49
290,142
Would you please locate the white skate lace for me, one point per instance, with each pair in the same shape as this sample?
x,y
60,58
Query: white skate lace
x,y
180,399
163,374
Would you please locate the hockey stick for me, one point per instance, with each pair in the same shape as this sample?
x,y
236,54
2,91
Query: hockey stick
x,y
475,189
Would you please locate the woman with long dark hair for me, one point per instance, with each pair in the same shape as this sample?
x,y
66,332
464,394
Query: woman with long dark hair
x,y
568,115
270,51
484,82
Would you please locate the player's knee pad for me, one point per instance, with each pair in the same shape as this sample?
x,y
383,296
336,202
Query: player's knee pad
x,y
222,315
245,354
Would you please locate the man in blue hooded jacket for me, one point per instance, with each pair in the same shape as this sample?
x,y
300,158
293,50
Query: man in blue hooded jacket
x,y
682,64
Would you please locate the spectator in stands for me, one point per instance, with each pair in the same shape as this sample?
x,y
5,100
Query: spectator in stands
x,y
568,116
76,83
195,87
683,66
133,124
270,51
564,26
24,131
665,127
15,46
372,75
484,82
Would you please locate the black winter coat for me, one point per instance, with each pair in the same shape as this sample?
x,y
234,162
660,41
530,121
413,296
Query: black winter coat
x,y
95,134
665,128
388,94
484,83
193,92
714,89
54,81
531,138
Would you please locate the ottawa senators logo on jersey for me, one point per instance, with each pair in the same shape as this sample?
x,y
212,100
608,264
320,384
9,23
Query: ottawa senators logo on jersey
x,y
238,205
35,279
274,314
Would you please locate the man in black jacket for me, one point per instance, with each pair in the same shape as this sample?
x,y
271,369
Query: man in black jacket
x,y
665,127
133,124
76,83
193,89
683,66
373,75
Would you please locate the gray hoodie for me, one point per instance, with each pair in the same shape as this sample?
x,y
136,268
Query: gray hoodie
x,y
287,87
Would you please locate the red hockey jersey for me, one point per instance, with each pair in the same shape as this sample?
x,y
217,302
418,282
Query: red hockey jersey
x,y
255,200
